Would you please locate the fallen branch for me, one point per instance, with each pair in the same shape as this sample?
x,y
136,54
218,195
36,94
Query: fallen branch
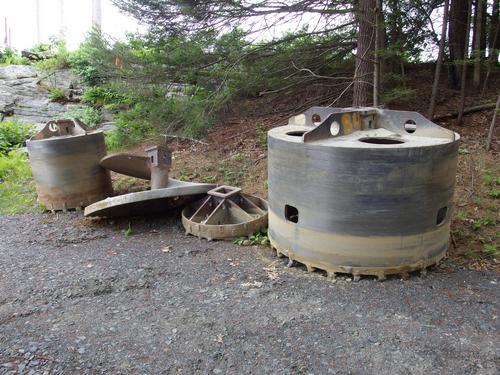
x,y
493,121
476,108
184,138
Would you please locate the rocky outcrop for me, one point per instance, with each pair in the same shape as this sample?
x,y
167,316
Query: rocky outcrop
x,y
24,93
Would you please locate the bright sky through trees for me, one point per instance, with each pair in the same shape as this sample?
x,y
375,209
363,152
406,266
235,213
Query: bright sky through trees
x,y
21,19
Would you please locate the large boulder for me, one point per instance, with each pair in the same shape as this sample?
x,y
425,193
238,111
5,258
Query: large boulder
x,y
24,92
11,72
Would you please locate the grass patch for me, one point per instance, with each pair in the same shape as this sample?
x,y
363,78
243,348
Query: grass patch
x,y
56,95
17,187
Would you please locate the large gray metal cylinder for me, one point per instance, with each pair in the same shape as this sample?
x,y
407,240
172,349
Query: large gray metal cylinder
x,y
64,158
361,191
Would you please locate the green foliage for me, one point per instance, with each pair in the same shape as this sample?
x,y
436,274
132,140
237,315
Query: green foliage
x,y
494,193
128,231
17,188
490,178
101,95
483,222
189,114
89,115
131,126
261,135
57,95
13,134
92,59
179,84
9,56
54,55
153,114
258,238
490,250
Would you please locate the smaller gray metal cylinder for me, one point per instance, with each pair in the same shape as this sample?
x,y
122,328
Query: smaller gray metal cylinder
x,y
64,157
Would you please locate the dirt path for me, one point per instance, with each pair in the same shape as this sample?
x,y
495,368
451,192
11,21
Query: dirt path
x,y
80,299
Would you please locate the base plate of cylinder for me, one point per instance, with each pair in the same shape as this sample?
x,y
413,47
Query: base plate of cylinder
x,y
225,213
177,194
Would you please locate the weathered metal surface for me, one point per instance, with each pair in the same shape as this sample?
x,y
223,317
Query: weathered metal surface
x,y
225,213
155,166
363,191
127,164
177,194
64,157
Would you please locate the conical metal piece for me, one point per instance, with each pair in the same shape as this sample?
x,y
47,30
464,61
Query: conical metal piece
x,y
225,213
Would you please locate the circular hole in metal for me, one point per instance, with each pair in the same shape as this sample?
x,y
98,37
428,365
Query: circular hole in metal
x,y
381,141
316,118
296,133
335,128
410,126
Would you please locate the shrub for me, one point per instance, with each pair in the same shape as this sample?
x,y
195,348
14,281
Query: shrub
x,y
92,59
54,55
131,128
89,115
99,96
56,95
9,56
13,134
17,188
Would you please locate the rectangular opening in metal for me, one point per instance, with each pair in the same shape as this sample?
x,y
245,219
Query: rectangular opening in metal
x,y
291,213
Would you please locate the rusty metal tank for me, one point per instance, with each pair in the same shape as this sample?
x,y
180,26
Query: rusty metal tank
x,y
64,157
363,191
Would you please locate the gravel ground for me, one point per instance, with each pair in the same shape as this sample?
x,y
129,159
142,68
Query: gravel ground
x,y
80,298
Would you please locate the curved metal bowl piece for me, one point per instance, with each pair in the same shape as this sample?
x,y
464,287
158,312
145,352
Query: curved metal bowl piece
x,y
225,213
363,191
64,157
177,194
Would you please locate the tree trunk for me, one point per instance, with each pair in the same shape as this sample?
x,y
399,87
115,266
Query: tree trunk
x,y
478,26
484,27
492,126
376,55
493,30
439,62
393,35
96,14
464,66
457,30
364,53
493,37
